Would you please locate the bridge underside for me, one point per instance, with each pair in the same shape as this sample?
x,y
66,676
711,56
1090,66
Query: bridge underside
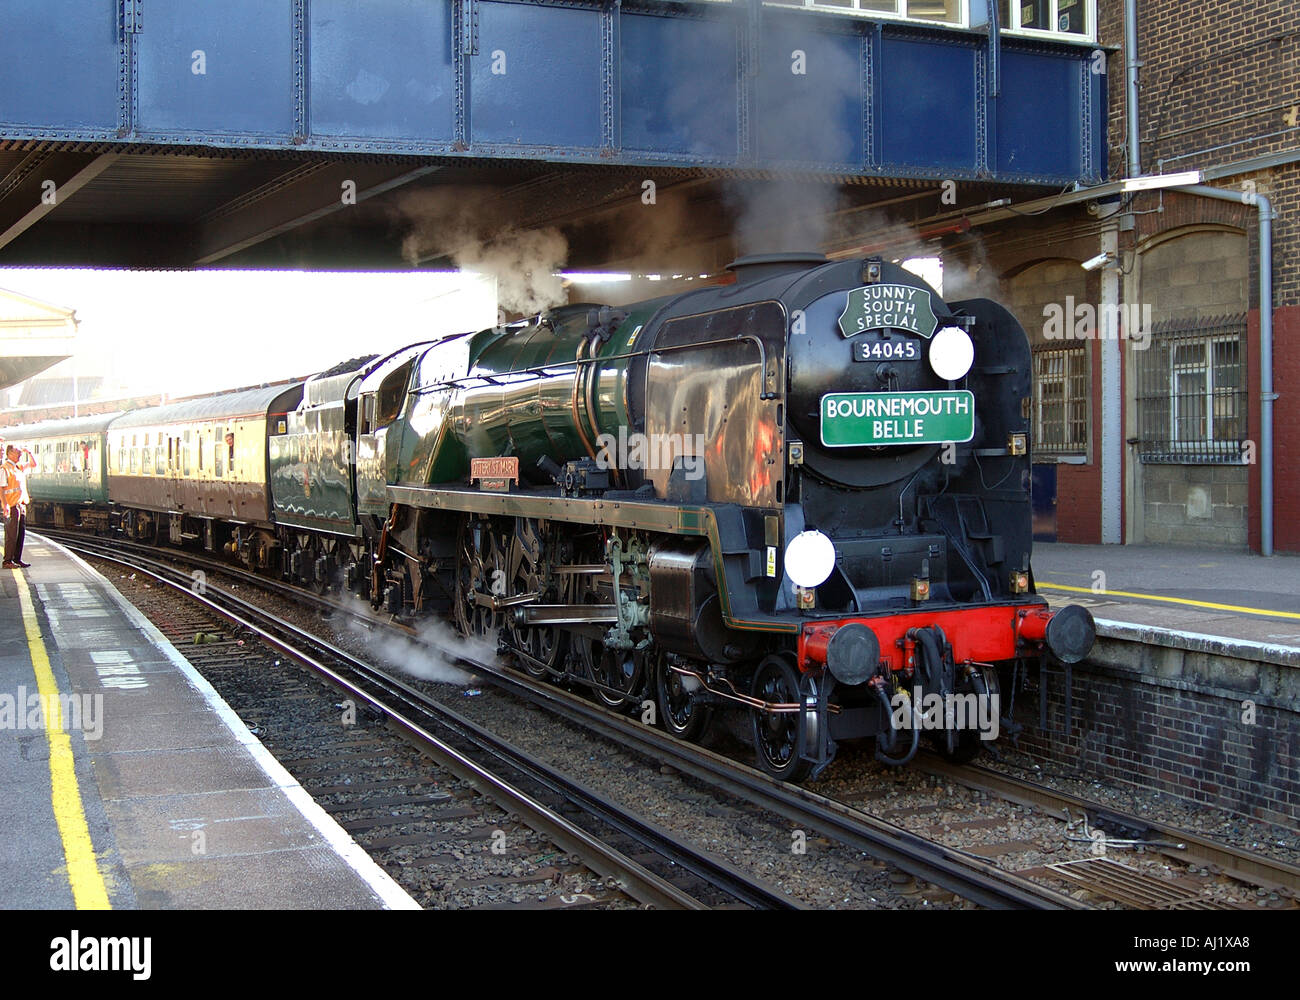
x,y
196,209
165,133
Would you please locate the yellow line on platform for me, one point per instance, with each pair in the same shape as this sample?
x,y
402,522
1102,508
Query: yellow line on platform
x,y
88,891
1169,600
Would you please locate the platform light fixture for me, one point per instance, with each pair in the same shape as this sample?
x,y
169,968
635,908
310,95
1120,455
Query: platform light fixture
x,y
594,277
1155,182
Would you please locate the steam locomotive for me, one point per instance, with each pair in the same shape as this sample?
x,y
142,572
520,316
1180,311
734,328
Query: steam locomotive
x,y
803,495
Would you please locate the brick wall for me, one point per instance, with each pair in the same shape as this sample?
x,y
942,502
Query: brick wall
x,y
1218,80
1218,86
1188,741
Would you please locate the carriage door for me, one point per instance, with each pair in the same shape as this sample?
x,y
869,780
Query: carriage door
x,y
84,459
369,473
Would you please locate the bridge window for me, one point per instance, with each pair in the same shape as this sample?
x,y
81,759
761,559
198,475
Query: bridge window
x,y
1068,18
948,11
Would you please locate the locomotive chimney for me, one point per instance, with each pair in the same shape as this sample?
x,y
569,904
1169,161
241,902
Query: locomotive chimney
x,y
758,266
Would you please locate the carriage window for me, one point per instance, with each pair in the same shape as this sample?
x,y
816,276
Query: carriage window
x,y
218,453
230,451
185,454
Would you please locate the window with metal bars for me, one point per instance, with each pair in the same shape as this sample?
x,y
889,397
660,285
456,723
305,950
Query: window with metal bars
x,y
1192,392
1062,414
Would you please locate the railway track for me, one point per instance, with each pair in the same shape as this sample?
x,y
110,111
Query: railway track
x,y
489,790
965,876
1076,884
1117,832
909,841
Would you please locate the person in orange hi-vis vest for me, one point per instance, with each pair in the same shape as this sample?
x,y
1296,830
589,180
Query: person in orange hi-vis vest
x,y
14,501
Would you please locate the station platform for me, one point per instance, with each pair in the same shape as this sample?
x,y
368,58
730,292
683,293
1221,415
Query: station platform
x,y
1234,603
125,780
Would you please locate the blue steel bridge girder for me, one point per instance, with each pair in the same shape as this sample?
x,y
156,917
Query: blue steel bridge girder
x,y
628,82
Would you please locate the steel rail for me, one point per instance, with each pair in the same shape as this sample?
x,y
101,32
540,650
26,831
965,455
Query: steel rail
x,y
964,874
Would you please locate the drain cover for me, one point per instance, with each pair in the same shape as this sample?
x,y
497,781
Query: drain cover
x,y
1128,885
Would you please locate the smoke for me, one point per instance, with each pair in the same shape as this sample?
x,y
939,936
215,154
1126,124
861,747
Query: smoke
x,y
971,275
872,231
434,654
810,93
469,226
663,229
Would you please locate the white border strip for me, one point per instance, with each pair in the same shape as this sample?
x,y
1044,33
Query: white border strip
x,y
1199,642
392,895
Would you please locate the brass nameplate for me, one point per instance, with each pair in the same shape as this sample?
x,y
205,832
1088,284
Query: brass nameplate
x,y
495,474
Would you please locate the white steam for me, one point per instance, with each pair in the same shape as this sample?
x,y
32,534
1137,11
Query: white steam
x,y
526,266
435,653
470,227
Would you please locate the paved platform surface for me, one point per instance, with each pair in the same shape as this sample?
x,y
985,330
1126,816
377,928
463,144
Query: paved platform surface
x,y
148,791
1236,596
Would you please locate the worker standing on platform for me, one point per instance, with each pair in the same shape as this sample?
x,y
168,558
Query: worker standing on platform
x,y
14,500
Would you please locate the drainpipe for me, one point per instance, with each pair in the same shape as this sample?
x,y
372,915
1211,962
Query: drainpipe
x,y
1112,400
1131,66
1266,393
